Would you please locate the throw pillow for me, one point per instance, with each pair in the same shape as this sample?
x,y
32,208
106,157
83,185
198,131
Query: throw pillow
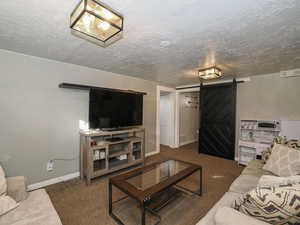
x,y
274,205
293,144
277,140
283,161
266,155
7,204
268,180
3,185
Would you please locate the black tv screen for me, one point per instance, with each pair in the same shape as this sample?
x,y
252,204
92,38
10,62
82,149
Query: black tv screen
x,y
109,109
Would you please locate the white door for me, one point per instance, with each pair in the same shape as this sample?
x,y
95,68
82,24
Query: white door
x,y
165,120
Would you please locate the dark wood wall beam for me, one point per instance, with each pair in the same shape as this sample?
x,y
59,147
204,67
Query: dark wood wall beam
x,y
88,87
208,84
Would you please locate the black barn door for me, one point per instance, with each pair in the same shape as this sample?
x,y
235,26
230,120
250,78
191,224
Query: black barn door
x,y
217,120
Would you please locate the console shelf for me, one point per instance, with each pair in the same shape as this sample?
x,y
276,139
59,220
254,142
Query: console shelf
x,y
118,154
98,156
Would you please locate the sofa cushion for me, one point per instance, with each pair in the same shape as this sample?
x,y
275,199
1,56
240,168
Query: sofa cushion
x,y
3,185
275,205
227,200
37,209
255,172
244,183
16,188
255,164
254,168
284,161
230,216
7,204
267,180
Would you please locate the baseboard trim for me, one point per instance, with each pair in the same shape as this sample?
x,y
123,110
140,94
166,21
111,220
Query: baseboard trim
x,y
187,142
151,153
52,181
70,176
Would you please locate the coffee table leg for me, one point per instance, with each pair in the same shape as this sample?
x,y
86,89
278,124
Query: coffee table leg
x,y
201,177
110,205
143,211
110,197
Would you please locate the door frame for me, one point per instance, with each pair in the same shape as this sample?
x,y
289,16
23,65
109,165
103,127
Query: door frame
x,y
177,116
172,93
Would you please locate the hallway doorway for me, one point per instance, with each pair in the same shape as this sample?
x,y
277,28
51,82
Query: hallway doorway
x,y
165,126
188,117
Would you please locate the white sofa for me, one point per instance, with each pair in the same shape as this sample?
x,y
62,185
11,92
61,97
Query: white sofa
x,y
222,213
35,207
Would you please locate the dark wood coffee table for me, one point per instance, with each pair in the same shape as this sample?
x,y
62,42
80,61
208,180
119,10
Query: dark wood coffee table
x,y
153,186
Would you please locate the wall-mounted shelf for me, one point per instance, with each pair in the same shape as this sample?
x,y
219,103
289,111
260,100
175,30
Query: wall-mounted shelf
x,y
88,87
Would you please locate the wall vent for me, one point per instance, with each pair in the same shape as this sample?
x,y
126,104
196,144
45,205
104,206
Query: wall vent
x,y
290,73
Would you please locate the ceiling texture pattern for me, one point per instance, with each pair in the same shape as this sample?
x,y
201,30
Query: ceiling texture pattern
x,y
165,40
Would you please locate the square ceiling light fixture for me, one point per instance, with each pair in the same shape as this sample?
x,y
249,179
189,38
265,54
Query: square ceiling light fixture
x,y
210,73
97,23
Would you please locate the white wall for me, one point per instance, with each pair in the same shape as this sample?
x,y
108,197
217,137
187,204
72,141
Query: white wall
x,y
40,121
188,118
290,129
268,97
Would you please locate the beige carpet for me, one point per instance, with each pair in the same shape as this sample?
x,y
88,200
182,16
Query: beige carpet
x,y
79,204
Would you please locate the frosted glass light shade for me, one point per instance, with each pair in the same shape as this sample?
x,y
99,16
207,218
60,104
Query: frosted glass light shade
x,y
210,73
96,22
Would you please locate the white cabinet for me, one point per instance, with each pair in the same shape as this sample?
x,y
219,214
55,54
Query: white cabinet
x,y
255,137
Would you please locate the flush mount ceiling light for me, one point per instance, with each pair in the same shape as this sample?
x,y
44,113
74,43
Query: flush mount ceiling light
x,y
210,73
96,22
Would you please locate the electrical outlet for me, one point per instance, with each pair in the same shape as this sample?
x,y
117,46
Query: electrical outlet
x,y
50,165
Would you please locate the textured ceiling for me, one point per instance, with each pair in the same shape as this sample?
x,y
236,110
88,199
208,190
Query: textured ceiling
x,y
164,40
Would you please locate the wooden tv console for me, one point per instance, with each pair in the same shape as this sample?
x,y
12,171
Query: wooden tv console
x,y
100,156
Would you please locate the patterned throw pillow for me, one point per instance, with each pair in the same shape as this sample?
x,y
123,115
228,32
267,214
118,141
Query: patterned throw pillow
x,y
268,180
293,144
284,161
274,205
266,155
280,140
277,140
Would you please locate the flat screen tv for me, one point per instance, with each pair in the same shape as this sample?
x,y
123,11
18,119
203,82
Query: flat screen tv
x,y
111,110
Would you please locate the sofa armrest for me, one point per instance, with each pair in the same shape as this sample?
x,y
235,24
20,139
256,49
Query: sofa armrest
x,y
230,216
16,188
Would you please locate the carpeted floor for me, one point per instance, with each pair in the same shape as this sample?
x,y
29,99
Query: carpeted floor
x,y
79,204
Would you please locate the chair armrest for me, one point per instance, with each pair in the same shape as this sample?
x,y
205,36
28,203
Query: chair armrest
x,y
16,188
230,216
